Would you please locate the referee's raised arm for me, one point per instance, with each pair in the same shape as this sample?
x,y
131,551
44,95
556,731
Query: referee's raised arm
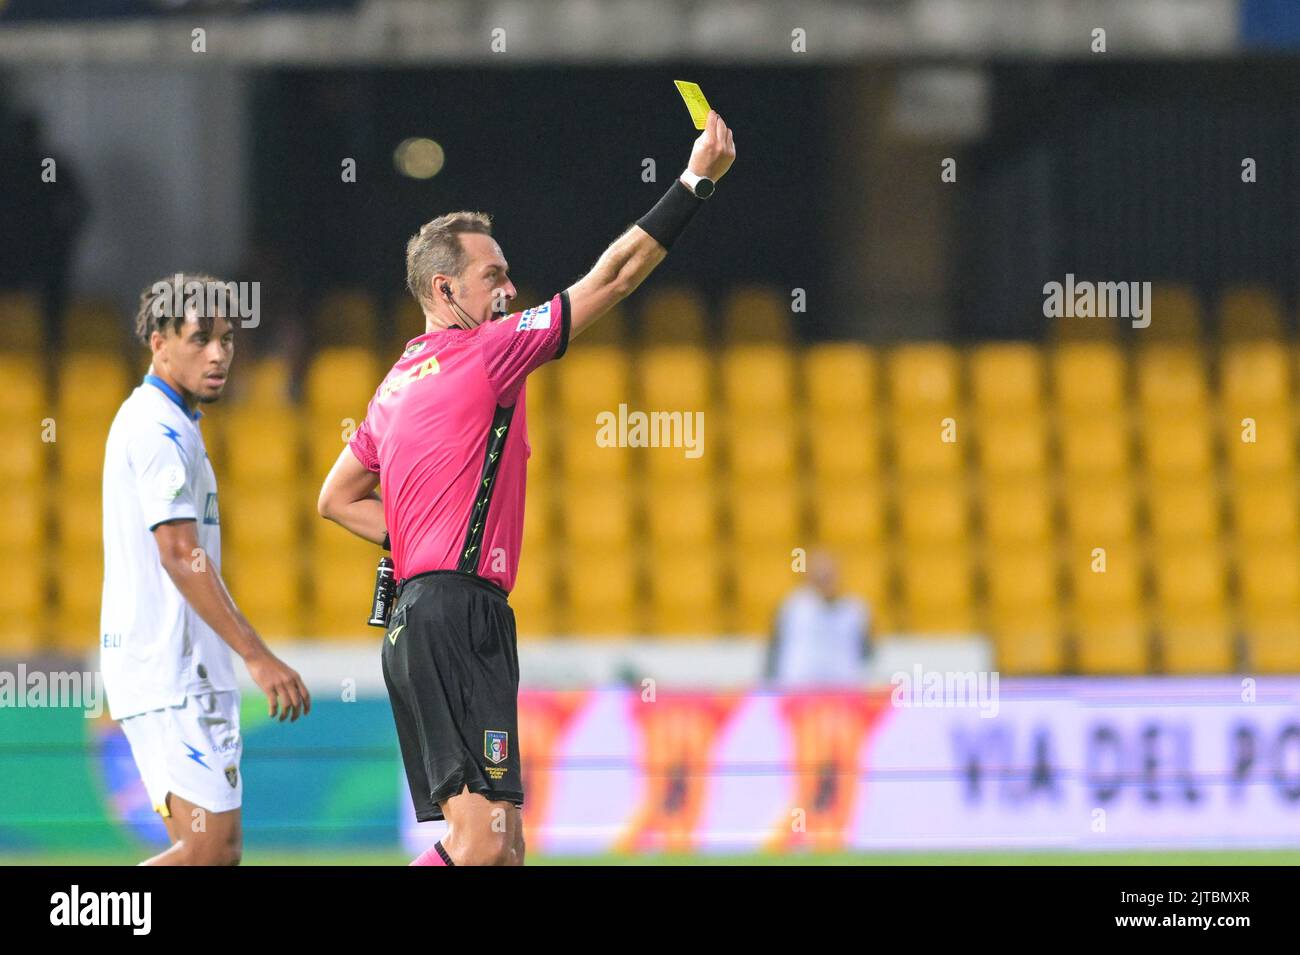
x,y
639,250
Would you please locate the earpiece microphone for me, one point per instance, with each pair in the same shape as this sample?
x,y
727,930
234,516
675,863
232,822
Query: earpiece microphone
x,y
446,291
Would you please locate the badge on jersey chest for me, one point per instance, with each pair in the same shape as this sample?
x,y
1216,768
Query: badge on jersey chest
x,y
413,349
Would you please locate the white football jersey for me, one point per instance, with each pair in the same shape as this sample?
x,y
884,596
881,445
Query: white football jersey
x,y
154,647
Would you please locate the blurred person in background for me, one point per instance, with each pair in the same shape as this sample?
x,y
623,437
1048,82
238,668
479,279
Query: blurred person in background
x,y
43,211
820,637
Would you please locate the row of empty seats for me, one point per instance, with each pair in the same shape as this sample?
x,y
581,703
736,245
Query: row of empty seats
x,y
1091,506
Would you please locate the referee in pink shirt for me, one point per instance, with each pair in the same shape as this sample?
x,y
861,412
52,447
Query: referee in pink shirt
x,y
445,439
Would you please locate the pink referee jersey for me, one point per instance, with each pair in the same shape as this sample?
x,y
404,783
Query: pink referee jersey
x,y
447,432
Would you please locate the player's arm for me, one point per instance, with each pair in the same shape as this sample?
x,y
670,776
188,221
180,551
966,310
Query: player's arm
x,y
638,251
200,583
348,498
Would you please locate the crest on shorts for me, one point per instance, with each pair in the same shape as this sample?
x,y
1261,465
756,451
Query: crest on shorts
x,y
232,776
496,745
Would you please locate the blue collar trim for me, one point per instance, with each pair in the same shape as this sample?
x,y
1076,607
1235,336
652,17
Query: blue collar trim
x,y
170,392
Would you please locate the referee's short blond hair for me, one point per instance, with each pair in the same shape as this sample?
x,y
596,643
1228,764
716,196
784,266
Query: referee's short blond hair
x,y
436,249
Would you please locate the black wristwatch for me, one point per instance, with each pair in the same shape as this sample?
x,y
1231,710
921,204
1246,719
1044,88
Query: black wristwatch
x,y
701,186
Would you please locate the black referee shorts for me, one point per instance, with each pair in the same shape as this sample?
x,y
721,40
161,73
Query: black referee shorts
x,y
452,669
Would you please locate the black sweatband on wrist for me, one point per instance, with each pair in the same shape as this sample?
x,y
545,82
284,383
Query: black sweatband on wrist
x,y
671,214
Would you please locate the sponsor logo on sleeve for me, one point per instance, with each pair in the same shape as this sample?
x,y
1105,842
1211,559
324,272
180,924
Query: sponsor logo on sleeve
x,y
169,481
535,319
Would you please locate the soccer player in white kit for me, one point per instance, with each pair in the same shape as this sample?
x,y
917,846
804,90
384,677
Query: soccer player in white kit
x,y
167,622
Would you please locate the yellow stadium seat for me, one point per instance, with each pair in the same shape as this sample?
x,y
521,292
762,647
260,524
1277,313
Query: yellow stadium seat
x,y
1089,376
79,583
539,514
262,447
92,383
341,572
347,317
686,447
582,456
325,435
1175,313
1185,510
27,458
762,577
686,591
924,377
595,378
23,528
98,323
79,510
849,514
676,378
23,394
534,598
1260,443
1113,641
1254,375
611,329
1188,578
341,381
1171,378
681,513
937,591
1100,510
1249,312
21,328
756,313
1177,444
757,380
603,592
80,443
600,517
1012,444
932,512
1200,641
843,446
1099,445
673,316
266,585
1022,576
1028,640
261,515
266,384
761,447
1110,580
928,444
23,602
1273,642
1268,578
1265,508
1007,377
1017,509
840,378
765,513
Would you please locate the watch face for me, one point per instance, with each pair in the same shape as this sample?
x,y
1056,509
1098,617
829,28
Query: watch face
x,y
704,188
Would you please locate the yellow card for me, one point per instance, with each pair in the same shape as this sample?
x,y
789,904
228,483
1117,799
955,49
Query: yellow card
x,y
695,102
